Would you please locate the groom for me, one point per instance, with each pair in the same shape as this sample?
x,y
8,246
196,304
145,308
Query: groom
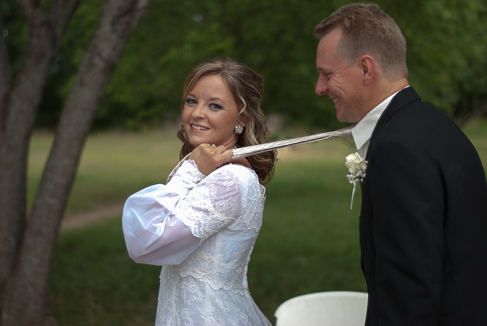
x,y
423,223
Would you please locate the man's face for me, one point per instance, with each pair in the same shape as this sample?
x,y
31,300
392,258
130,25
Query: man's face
x,y
341,82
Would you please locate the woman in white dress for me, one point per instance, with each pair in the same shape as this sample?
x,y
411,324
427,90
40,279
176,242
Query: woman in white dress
x,y
202,225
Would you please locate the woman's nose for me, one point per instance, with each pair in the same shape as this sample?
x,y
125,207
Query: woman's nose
x,y
198,111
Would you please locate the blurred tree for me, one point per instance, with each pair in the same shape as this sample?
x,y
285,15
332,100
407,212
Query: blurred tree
x,y
27,245
273,37
446,52
445,56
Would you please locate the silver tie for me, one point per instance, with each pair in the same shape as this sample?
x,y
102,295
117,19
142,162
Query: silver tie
x,y
256,149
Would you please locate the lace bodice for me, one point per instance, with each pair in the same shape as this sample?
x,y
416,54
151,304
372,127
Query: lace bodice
x,y
202,230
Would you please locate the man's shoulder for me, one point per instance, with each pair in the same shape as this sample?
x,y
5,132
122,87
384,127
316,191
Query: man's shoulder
x,y
423,125
408,109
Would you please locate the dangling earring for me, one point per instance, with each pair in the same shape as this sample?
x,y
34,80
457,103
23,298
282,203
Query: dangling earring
x,y
238,129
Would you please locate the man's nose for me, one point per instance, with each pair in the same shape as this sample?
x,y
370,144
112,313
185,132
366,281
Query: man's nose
x,y
321,86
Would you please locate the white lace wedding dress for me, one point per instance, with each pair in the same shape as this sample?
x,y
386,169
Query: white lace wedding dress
x,y
202,230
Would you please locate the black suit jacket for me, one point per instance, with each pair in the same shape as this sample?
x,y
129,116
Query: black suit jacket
x,y
423,223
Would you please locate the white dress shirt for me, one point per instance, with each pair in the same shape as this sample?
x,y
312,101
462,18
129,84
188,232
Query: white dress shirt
x,y
362,131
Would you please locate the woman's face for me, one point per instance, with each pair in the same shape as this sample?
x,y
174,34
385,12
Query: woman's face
x,y
210,113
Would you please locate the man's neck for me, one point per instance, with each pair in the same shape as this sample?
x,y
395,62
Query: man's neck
x,y
385,89
362,131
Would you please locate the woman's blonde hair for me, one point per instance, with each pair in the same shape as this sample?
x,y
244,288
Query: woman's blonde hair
x,y
247,89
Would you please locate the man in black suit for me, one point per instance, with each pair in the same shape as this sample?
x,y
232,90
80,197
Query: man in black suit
x,y
423,223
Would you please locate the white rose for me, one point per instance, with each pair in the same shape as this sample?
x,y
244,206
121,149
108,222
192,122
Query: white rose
x,y
354,163
356,166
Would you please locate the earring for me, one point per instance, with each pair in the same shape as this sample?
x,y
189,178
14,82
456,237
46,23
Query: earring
x,y
238,129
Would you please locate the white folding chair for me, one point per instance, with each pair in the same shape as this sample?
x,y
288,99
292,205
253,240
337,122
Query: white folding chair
x,y
333,308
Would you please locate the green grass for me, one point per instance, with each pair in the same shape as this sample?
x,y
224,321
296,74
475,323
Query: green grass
x,y
95,283
112,167
308,242
309,238
477,132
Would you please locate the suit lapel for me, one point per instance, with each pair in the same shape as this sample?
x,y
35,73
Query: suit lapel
x,y
402,98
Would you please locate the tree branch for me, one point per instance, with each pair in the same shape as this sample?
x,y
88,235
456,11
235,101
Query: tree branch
x,y
44,40
5,71
473,114
33,10
61,13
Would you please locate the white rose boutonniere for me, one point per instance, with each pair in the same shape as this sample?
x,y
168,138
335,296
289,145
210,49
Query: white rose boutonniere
x,y
356,167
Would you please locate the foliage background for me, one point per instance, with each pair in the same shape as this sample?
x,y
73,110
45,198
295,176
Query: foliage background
x,y
446,55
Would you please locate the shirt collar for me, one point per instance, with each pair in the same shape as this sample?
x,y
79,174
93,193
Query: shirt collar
x,y
362,131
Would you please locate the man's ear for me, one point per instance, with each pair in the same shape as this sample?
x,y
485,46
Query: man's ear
x,y
368,66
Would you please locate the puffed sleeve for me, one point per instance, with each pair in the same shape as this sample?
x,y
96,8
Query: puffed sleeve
x,y
164,224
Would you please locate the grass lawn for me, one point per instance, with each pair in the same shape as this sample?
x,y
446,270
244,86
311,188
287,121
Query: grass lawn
x,y
112,167
308,242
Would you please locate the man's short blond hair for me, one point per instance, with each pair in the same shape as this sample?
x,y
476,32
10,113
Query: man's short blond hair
x,y
368,30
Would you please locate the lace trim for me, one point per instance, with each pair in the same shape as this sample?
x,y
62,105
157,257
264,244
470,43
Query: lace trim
x,y
213,205
186,302
187,176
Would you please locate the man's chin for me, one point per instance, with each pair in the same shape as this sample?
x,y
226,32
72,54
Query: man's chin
x,y
347,119
341,118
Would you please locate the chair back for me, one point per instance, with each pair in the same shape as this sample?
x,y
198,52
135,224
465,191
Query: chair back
x,y
333,308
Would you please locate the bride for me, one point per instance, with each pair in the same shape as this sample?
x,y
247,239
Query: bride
x,y
202,225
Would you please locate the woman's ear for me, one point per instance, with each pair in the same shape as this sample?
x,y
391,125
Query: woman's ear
x,y
242,120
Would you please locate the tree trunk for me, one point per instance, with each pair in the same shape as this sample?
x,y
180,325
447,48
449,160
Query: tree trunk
x,y
5,71
26,292
6,242
17,116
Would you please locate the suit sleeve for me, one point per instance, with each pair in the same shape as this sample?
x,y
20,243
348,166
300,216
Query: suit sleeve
x,y
408,205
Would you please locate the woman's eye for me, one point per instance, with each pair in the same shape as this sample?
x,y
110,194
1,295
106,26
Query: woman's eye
x,y
216,106
190,101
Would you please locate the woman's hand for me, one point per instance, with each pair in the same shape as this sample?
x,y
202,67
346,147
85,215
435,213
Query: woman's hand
x,y
208,158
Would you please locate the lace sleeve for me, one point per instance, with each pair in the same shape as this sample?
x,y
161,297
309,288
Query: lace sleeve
x,y
214,203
